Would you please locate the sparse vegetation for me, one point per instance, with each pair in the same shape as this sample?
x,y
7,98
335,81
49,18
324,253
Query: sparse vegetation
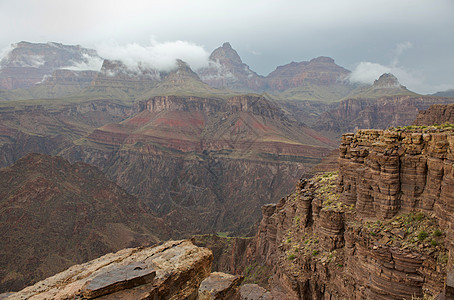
x,y
422,235
412,230
292,256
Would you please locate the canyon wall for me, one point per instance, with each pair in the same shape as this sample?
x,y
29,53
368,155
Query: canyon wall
x,y
437,113
382,228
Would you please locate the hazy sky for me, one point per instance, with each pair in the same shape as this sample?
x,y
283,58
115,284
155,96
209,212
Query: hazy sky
x,y
414,39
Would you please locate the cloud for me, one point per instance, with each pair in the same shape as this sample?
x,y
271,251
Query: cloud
x,y
93,63
160,56
5,51
33,61
399,50
368,72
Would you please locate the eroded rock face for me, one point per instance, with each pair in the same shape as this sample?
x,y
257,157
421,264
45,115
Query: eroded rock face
x,y
386,172
436,114
381,113
173,270
382,230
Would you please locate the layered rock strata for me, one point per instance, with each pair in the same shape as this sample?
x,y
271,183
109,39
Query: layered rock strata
x,y
436,114
381,229
381,113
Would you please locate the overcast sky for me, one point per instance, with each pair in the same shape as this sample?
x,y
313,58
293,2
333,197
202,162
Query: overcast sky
x,y
414,39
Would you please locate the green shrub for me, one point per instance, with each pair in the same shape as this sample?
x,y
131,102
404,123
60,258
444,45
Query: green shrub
x,y
291,256
434,243
438,232
422,235
315,252
419,216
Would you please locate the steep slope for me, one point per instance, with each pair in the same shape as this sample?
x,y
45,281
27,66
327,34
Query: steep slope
x,y
55,214
193,158
227,70
28,63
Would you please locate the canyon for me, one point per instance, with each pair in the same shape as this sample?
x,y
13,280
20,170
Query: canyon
x,y
378,228
201,154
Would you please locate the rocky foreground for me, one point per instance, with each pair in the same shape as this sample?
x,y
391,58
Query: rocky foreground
x,y
173,270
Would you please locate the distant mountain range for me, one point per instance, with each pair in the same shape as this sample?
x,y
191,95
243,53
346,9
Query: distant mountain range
x,y
56,70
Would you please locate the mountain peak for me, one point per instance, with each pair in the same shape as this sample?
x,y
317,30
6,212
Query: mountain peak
x,y
227,45
225,54
387,80
322,59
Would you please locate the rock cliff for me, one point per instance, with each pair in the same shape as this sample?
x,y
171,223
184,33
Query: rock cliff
x,y
436,114
380,229
380,113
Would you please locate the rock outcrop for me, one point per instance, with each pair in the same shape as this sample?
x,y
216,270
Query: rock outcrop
x,y
219,286
381,229
436,114
173,270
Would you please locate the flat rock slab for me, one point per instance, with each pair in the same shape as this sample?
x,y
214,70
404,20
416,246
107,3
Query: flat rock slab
x,y
120,278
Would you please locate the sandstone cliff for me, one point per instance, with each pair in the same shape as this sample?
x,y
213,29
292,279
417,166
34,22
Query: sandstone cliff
x,y
381,229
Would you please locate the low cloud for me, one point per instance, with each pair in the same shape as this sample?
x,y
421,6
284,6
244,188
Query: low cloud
x,y
159,56
5,51
368,72
93,63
